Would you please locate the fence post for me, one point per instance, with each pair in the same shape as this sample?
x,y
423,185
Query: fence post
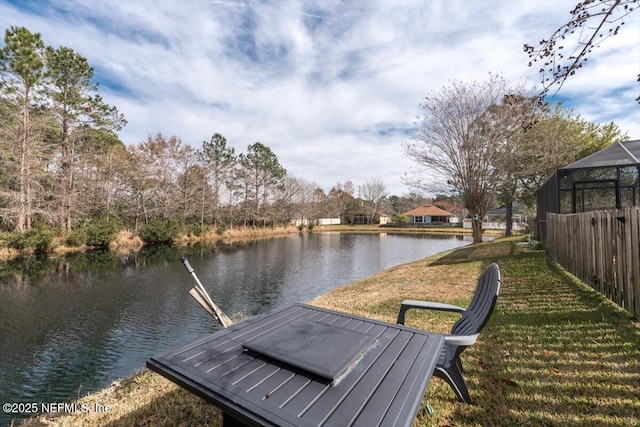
x,y
634,257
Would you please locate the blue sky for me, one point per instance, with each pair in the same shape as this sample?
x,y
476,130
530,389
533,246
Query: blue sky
x,y
333,88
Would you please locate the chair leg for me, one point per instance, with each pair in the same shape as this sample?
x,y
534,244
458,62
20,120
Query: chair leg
x,y
453,376
401,314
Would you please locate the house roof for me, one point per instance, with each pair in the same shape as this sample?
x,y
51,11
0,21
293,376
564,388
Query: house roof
x,y
619,154
428,210
517,209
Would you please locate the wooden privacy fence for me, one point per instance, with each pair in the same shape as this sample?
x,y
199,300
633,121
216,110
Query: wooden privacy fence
x,y
602,248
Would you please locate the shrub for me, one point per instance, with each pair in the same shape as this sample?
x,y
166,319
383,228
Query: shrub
x,y
400,219
160,232
539,246
195,229
4,239
77,237
102,231
37,239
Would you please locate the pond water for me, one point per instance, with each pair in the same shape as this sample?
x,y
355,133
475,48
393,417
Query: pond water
x,y
72,325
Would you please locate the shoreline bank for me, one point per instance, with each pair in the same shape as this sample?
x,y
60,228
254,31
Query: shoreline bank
x,y
414,230
127,242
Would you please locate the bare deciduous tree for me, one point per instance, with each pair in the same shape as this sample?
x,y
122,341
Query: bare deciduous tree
x,y
99,175
456,147
509,122
375,193
341,195
298,200
569,47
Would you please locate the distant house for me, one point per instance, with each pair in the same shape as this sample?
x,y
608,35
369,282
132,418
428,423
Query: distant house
x,y
429,214
361,217
320,221
497,218
385,219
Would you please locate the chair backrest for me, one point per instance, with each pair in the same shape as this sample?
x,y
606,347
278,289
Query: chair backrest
x,y
476,316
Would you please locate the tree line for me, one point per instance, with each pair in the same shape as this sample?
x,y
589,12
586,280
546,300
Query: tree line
x,y
64,168
63,165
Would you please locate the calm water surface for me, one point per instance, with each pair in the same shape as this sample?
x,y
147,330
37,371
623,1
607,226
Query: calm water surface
x,y
72,325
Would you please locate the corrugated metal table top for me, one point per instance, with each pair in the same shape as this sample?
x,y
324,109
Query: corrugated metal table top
x,y
383,386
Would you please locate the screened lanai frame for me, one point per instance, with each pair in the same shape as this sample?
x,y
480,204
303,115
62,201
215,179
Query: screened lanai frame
x,y
608,179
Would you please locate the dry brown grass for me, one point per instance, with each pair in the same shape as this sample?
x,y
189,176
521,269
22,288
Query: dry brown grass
x,y
251,233
234,234
125,241
145,399
7,254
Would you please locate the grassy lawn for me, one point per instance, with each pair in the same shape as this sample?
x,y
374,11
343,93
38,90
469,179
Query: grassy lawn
x,y
555,353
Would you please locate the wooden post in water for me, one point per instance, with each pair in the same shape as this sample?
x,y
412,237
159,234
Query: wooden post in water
x,y
199,293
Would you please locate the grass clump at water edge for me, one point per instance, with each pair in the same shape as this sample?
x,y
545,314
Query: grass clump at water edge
x,y
555,352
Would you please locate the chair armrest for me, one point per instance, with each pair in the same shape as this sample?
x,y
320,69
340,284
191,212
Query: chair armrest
x,y
432,306
426,305
460,340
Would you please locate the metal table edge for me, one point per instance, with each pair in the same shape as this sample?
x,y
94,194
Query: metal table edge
x,y
422,381
252,416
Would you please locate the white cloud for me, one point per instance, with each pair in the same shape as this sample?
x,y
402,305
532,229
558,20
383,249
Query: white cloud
x,y
330,87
